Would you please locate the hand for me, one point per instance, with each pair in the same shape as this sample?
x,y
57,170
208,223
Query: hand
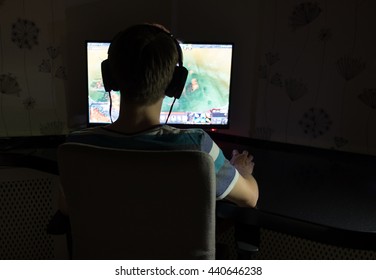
x,y
243,162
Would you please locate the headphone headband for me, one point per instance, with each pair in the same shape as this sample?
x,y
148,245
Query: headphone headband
x,y
176,86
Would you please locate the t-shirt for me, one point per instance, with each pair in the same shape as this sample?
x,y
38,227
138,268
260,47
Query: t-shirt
x,y
165,137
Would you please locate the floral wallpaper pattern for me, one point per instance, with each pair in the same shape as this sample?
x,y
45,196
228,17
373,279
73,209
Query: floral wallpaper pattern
x,y
317,83
316,74
32,72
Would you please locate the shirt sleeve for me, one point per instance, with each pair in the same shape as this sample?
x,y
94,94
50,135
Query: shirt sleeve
x,y
226,173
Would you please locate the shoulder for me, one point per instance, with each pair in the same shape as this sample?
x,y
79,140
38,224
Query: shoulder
x,y
85,132
93,135
91,130
166,129
194,134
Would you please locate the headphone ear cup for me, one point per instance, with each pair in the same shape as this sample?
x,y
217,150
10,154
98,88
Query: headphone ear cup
x,y
109,82
176,86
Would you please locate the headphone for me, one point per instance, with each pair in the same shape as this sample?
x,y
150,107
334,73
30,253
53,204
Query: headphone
x,y
179,77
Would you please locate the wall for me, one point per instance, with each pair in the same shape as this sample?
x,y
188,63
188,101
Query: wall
x,y
32,71
316,73
42,58
303,71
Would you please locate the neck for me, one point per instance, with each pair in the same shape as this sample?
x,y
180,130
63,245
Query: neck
x,y
135,118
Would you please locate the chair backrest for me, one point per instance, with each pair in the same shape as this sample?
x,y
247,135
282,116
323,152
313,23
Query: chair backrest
x,y
127,204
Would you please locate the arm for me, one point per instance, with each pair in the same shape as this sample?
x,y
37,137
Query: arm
x,y
245,191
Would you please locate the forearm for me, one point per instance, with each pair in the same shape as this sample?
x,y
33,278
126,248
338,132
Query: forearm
x,y
245,192
254,194
251,190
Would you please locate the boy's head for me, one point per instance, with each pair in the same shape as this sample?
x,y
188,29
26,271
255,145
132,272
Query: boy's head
x,y
142,60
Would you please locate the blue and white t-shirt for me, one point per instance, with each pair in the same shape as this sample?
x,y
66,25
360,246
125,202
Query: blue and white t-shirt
x,y
165,138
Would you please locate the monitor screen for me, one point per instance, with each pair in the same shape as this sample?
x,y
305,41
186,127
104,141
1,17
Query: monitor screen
x,y
205,99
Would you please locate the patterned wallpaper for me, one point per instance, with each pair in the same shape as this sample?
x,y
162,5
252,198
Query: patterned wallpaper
x,y
317,75
32,71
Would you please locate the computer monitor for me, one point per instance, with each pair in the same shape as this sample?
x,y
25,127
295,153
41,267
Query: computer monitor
x,y
205,100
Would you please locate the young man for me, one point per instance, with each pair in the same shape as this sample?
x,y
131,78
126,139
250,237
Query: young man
x,y
142,64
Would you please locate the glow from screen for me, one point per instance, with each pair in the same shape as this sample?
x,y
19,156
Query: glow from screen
x,y
205,99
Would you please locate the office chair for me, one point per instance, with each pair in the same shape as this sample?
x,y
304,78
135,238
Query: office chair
x,y
126,204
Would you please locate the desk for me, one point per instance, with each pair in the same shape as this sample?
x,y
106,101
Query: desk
x,y
36,152
323,195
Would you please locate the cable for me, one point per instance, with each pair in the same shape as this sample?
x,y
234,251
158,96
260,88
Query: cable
x,y
169,113
110,96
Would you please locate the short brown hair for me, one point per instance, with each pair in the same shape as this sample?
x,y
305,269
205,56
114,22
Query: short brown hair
x,y
142,59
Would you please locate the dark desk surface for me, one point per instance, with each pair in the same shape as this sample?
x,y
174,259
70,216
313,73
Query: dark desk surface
x,y
37,152
321,194
330,192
